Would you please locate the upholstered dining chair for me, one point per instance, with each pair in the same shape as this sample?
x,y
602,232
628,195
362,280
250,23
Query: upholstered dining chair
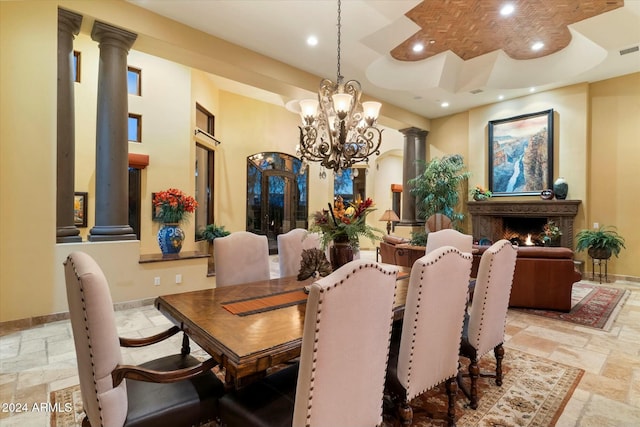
x,y
241,257
485,323
449,237
345,343
174,390
290,247
426,353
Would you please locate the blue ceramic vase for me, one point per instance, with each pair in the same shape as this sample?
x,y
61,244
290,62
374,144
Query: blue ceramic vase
x,y
170,238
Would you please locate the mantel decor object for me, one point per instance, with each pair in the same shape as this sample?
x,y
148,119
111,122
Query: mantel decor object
x,y
546,194
560,188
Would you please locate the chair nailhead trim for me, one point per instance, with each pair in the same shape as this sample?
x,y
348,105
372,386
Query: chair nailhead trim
x,y
86,328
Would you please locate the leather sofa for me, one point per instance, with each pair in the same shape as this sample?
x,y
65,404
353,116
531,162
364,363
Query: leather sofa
x,y
543,278
397,250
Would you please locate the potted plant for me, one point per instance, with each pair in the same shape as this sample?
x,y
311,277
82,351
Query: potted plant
x,y
480,193
209,233
551,234
341,226
600,243
171,208
436,190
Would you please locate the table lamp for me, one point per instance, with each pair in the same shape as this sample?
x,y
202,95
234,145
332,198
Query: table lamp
x,y
389,216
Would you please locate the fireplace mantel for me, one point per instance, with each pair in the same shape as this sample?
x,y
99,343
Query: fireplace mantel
x,y
487,216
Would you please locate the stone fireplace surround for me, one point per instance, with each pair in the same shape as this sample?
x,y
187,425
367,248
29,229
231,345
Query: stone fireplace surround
x,y
488,216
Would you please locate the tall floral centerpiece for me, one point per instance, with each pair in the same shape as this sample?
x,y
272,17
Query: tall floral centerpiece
x,y
171,208
341,226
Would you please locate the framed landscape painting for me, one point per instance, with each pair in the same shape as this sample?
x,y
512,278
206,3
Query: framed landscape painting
x,y
521,154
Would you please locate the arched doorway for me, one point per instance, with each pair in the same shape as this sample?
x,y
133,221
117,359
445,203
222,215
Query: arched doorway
x,y
276,195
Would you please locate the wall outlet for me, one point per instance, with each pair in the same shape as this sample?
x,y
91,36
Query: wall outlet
x,y
178,278
596,225
156,281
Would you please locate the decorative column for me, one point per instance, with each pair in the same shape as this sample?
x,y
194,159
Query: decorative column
x,y
415,148
66,231
112,194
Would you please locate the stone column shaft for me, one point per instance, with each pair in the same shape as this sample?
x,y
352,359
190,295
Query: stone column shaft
x,y
112,193
66,231
415,149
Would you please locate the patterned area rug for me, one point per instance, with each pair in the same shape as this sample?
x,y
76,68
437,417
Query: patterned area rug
x,y
533,394
591,305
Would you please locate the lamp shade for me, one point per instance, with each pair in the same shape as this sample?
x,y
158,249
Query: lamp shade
x,y
389,215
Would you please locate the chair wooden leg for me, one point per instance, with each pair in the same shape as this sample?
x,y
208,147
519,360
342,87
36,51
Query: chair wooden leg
x,y
474,374
405,413
186,349
452,389
498,351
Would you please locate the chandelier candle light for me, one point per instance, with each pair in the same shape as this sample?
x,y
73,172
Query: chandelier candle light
x,y
337,129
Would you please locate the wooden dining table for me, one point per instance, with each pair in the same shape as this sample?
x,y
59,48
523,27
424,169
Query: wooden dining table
x,y
247,344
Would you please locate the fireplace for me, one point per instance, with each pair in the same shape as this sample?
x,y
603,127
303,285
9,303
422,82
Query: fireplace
x,y
515,220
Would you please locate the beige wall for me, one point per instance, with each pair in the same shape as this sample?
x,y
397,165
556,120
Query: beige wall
x,y
612,164
596,153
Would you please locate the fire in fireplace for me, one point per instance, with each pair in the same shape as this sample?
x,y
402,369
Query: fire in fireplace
x,y
524,231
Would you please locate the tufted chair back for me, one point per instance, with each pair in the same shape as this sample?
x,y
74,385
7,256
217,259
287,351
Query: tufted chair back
x,y
433,319
449,237
290,247
345,346
241,257
96,341
488,313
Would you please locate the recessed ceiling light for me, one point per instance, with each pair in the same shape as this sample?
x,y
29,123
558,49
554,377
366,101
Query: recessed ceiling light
x,y
312,40
537,46
500,97
507,10
532,89
418,47
445,104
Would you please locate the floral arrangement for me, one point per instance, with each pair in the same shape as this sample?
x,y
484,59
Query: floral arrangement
x,y
480,193
345,224
550,233
173,205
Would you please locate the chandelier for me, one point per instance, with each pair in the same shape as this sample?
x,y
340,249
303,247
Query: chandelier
x,y
337,129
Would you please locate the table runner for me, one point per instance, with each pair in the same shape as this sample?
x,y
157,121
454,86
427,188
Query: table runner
x,y
261,304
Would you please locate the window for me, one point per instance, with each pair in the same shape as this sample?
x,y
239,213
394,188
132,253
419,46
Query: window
x,y
133,81
204,187
350,185
205,120
135,185
135,127
76,66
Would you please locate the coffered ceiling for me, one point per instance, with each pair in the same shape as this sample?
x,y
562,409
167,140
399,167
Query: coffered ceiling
x,y
472,54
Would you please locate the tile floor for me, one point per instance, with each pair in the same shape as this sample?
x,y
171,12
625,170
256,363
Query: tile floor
x,y
35,361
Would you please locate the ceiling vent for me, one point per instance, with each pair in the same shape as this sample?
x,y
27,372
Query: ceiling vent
x,y
476,91
629,50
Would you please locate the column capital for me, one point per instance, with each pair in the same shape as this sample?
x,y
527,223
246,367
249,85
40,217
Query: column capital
x,y
108,34
69,21
413,131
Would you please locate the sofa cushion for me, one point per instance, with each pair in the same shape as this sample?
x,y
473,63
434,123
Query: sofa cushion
x,y
394,240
